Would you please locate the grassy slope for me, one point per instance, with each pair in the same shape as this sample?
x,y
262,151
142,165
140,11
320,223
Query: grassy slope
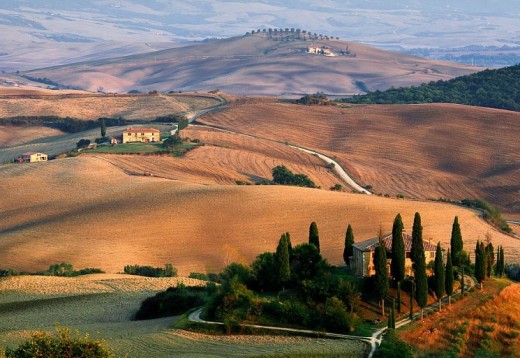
x,y
485,321
88,212
103,305
94,106
255,65
10,136
423,151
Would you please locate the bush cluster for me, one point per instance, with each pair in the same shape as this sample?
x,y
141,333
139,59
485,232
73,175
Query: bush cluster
x,y
150,271
283,176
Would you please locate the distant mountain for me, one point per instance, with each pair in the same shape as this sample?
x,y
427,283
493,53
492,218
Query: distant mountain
x,y
491,88
271,62
60,31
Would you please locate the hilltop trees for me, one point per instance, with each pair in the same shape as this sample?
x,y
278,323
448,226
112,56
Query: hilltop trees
x,y
456,243
348,251
397,266
314,236
419,263
381,278
448,282
439,275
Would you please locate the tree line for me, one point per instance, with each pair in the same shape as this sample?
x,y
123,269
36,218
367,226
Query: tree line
x,y
485,88
67,124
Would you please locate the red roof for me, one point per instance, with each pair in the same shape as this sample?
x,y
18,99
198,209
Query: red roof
x,y
142,130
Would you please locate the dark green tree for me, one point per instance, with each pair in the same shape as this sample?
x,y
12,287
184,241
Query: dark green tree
x,y
397,265
381,277
391,319
348,251
265,271
448,283
497,266
502,261
490,258
456,244
417,249
480,262
440,284
282,258
103,128
419,264
314,236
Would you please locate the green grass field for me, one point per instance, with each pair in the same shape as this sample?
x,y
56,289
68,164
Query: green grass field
x,y
129,148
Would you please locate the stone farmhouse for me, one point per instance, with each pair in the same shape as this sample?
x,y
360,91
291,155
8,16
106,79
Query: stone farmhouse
x,y
33,157
320,50
141,135
362,260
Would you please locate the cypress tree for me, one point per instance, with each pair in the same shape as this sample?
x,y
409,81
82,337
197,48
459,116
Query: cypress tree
x,y
391,319
490,258
103,128
348,251
502,261
497,266
282,258
449,278
397,266
419,263
439,275
381,278
480,262
456,243
417,250
314,236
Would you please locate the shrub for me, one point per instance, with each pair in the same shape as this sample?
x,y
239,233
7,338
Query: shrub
x,y
283,176
149,271
63,344
393,347
172,302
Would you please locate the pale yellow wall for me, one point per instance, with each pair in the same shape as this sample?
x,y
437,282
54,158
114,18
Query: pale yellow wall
x,y
429,255
38,157
141,137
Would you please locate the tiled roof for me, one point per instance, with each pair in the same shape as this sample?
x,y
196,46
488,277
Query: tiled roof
x,y
30,153
371,244
141,130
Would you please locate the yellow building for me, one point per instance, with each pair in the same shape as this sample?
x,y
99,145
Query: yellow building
x,y
363,254
141,135
33,157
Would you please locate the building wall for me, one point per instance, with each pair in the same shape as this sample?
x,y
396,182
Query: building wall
x,y
141,137
38,157
364,263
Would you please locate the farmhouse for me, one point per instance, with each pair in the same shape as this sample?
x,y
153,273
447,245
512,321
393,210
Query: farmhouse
x,y
320,51
363,257
33,157
140,134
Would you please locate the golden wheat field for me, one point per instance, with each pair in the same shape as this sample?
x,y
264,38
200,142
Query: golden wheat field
x,y
10,135
93,106
421,151
89,212
227,158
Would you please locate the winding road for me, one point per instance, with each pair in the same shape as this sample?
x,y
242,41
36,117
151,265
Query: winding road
x,y
338,169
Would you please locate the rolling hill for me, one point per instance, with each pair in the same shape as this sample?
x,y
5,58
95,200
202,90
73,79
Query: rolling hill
x,y
261,63
88,212
420,151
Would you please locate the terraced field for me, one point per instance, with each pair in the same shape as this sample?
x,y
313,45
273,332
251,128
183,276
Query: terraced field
x,y
94,106
421,151
88,212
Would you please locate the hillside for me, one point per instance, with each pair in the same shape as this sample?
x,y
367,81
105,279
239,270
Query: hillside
x,y
15,103
89,212
485,89
422,151
260,63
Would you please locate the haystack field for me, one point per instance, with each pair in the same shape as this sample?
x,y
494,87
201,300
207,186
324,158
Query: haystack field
x,y
94,106
10,135
421,151
88,212
227,158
